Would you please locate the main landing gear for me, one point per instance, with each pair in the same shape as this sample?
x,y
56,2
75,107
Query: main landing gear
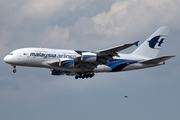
x,y
14,71
84,75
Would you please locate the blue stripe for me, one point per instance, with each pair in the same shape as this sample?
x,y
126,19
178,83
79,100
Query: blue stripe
x,y
116,63
68,64
84,58
67,73
59,73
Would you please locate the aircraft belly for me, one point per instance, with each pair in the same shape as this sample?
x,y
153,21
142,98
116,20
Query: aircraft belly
x,y
132,66
28,62
119,65
136,66
102,68
74,69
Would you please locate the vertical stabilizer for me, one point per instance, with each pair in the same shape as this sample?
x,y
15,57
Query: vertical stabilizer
x,y
151,47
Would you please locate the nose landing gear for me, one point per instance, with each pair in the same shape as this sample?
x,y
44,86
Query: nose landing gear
x,y
14,71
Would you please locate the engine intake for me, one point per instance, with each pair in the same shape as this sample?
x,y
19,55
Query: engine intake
x,y
57,72
66,62
88,57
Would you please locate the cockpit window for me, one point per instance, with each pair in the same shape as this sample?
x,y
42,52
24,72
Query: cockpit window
x,y
11,54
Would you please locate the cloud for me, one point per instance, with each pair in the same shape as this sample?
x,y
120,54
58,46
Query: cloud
x,y
130,16
5,40
55,36
43,9
35,22
125,21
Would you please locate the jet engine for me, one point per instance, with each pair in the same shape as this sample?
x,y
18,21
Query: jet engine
x,y
66,62
57,72
88,57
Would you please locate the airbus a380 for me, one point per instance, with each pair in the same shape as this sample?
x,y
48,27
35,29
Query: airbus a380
x,y
84,64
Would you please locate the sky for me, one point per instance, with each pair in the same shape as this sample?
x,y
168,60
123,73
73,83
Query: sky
x,y
32,93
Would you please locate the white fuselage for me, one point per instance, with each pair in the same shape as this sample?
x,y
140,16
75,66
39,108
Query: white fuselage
x,y
41,57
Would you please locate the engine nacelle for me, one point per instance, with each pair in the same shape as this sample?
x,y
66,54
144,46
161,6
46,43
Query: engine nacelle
x,y
57,72
88,57
66,62
71,73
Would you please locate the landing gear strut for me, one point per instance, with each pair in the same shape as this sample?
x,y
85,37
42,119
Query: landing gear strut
x,y
14,71
84,75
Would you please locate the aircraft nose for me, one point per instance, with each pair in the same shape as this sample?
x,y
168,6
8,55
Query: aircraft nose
x,y
7,59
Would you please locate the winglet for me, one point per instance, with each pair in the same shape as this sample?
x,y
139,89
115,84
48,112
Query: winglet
x,y
136,43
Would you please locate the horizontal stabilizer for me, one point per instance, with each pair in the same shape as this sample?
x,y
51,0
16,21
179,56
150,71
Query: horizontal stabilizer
x,y
157,60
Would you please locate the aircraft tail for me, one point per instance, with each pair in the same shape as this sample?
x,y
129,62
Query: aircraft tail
x,y
151,47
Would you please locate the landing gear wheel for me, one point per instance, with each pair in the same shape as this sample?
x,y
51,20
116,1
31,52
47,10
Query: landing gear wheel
x,y
14,71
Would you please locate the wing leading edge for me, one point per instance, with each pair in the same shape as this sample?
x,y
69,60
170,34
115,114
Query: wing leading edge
x,y
112,51
102,56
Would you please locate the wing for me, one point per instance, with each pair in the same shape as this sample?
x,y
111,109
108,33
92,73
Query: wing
x,y
113,51
101,56
87,61
106,54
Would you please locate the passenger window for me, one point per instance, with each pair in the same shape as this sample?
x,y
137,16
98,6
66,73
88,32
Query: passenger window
x,y
11,53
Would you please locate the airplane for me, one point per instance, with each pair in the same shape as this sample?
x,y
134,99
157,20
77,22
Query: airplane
x,y
84,64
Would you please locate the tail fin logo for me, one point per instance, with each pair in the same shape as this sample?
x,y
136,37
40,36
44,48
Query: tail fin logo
x,y
156,42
